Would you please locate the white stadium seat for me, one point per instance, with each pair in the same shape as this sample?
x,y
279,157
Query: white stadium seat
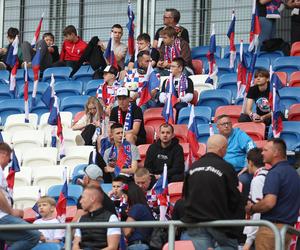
x,y
46,176
16,122
39,157
23,178
28,139
26,196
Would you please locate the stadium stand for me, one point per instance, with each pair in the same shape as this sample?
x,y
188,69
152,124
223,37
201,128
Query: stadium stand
x,y
92,86
294,112
68,88
295,50
17,122
202,115
295,79
255,130
59,73
233,111
74,192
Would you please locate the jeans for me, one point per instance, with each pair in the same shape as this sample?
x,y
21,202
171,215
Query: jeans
x,y
204,238
138,247
21,239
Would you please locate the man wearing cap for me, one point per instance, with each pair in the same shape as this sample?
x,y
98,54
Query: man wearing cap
x,y
106,92
130,116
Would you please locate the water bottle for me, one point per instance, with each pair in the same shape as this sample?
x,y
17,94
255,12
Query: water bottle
x,y
96,134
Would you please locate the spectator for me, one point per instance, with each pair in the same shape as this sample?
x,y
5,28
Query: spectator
x,y
137,238
258,94
171,48
281,195
134,78
184,86
212,177
295,19
20,239
102,238
166,150
143,44
255,167
46,208
89,122
171,18
111,154
72,48
130,116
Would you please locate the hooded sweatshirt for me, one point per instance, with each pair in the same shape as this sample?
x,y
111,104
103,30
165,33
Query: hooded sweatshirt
x,y
72,51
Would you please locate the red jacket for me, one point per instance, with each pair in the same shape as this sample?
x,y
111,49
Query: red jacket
x,y
72,51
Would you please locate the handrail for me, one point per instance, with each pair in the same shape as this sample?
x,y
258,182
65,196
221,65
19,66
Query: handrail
x,y
165,224
288,229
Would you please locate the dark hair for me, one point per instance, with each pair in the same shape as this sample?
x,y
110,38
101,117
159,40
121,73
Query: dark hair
x,y
280,145
4,147
118,26
175,14
168,31
167,125
48,34
221,117
116,125
118,178
12,32
262,72
142,53
255,155
70,29
180,61
144,37
135,195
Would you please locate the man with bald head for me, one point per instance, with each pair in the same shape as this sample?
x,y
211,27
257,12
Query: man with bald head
x,y
210,192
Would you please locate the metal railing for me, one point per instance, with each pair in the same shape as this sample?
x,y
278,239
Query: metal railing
x,y
288,229
279,235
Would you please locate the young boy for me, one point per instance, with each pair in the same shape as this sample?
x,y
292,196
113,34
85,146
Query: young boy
x,y
52,48
46,207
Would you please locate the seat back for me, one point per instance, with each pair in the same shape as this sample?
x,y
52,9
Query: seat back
x,y
287,64
202,115
68,88
289,96
233,111
74,192
175,191
294,112
198,66
73,104
203,132
283,76
143,150
92,86
150,134
255,130
295,50
180,131
295,79
60,73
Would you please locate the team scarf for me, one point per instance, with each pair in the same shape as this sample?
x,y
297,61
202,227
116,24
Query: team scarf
x,y
120,205
172,51
272,9
109,92
113,154
182,85
128,121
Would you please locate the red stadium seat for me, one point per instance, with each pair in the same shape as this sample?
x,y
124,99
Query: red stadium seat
x,y
295,50
181,244
283,76
233,111
261,143
198,66
71,211
195,97
255,130
150,134
175,191
202,149
294,112
29,215
180,131
78,116
154,118
143,150
295,79
186,150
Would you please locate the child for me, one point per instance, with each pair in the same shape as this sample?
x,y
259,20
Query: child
x,y
52,48
46,207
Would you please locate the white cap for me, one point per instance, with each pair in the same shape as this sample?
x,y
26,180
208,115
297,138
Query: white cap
x,y
122,91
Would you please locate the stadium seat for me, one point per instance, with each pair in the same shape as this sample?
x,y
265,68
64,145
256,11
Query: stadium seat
x,y
143,150
4,92
202,149
262,63
295,50
23,177
47,176
28,139
195,97
106,187
202,115
47,246
215,98
14,106
68,88
289,96
186,149
66,119
27,196
70,137
294,112
283,76
84,74
198,66
39,108
41,157
287,64
29,215
60,73
255,130
17,122
4,76
277,54
237,46
199,83
175,191
228,81
154,118
180,131
73,104
77,116
295,79
290,134
150,134
203,132
201,52
181,244
6,137
233,111
74,192
223,66
42,86
92,86
261,143
78,173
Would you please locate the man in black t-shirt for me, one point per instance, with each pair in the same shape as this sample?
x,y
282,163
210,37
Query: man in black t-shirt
x,y
258,94
130,116
171,18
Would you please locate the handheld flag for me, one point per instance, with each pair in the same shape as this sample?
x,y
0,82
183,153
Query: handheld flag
x,y
61,205
121,160
35,68
12,170
192,136
242,74
230,35
37,32
255,29
26,105
13,61
143,89
109,52
171,100
211,130
130,27
212,66
48,96
35,207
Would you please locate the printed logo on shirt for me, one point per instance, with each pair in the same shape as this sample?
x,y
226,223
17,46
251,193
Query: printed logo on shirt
x,y
207,169
162,157
263,104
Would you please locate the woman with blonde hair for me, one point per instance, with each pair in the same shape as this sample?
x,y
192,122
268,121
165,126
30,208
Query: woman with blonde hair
x,y
89,122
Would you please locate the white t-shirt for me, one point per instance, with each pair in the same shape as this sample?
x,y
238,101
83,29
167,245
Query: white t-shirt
x,y
110,231
4,190
50,234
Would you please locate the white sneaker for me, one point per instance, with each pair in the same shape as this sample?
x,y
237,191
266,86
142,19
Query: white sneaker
x,y
79,140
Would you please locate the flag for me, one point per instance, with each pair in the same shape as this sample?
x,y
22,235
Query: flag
x,y
37,32
35,68
212,66
274,100
255,29
48,96
161,190
242,74
192,136
211,129
14,167
13,61
130,27
109,52
121,160
143,89
61,205
26,105
35,207
230,35
171,100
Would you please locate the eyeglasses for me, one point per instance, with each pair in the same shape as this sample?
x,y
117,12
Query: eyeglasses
x,y
225,124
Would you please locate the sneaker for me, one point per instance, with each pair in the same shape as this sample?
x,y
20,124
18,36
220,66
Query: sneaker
x,y
2,66
79,140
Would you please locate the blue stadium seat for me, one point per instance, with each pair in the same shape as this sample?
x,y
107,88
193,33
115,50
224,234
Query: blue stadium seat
x,y
14,106
84,74
223,66
237,46
203,132
73,104
262,63
31,75
287,64
92,86
202,115
228,81
106,187
215,98
271,55
289,96
39,109
4,92
42,86
201,51
4,76
67,88
60,73
20,77
47,246
78,173
74,192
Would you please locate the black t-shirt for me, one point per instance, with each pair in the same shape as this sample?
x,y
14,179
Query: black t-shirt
x,y
261,99
261,9
137,115
181,33
154,54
